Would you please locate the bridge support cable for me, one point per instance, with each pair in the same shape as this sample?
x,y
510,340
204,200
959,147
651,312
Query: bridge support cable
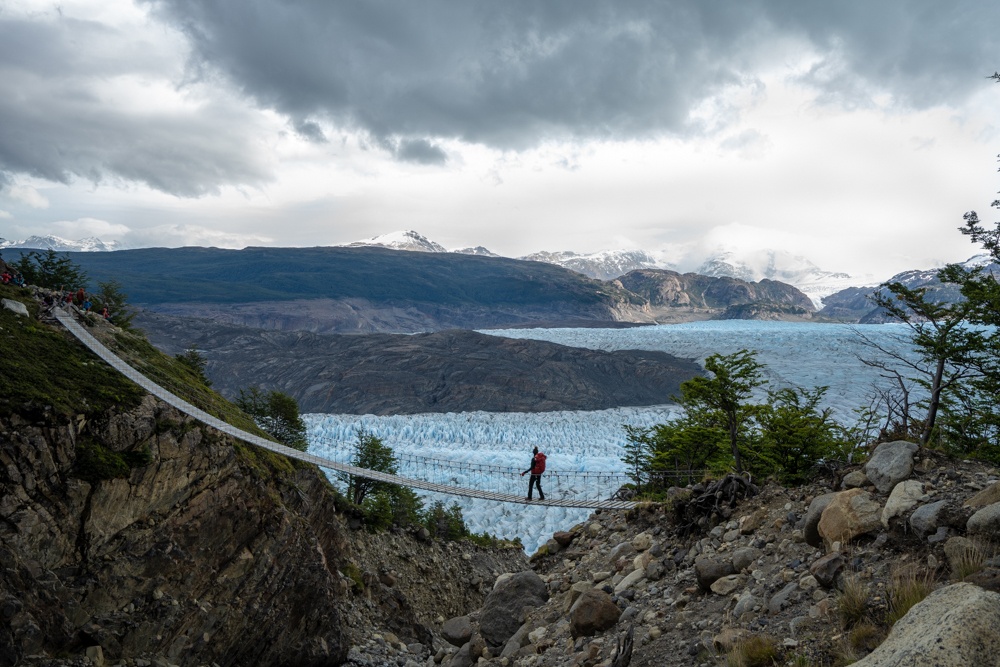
x,y
180,404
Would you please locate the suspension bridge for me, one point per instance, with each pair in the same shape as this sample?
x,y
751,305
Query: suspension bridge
x,y
584,490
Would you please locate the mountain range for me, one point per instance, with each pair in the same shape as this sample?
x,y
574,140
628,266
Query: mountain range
x,y
50,242
752,265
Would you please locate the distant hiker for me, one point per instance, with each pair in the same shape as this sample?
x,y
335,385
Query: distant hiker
x,y
80,296
536,470
86,305
105,314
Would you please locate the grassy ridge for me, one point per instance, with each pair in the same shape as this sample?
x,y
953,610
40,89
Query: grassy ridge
x,y
213,275
43,368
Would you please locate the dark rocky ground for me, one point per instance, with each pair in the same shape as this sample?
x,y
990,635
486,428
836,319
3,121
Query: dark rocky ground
x,y
447,371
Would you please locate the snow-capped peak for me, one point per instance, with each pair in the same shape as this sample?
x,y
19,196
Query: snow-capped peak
x,y
51,242
603,265
402,240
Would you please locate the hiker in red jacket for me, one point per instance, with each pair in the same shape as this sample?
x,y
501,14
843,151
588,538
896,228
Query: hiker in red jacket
x,y
536,470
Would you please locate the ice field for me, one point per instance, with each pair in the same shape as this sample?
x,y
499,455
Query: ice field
x,y
801,354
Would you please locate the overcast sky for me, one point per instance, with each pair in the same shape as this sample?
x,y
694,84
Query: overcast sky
x,y
855,133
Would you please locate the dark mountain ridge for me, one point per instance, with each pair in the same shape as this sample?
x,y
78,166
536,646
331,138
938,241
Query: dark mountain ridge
x,y
373,289
447,371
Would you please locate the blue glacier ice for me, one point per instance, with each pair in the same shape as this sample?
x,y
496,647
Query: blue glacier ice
x,y
801,354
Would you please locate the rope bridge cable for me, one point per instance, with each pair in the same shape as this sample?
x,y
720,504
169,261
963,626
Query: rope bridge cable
x,y
153,388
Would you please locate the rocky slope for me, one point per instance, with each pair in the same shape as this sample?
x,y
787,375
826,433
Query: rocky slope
x,y
671,296
450,371
852,304
132,535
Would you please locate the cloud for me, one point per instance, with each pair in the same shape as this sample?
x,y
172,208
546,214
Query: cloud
x,y
86,227
172,236
516,74
24,194
749,144
84,100
421,151
5,215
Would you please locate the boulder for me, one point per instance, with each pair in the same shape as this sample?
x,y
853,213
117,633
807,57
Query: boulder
x,y
621,552
744,557
564,538
813,514
926,518
855,480
15,307
985,521
954,626
504,609
728,584
988,496
849,515
642,541
891,463
707,570
457,631
634,577
905,496
827,568
594,612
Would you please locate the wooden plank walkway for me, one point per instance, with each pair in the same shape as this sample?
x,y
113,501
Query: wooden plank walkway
x,y
98,348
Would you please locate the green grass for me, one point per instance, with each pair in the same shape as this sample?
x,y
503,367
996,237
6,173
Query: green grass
x,y
47,371
44,369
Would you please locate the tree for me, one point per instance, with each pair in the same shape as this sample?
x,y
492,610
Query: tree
x,y
277,413
948,349
734,377
370,453
195,361
50,270
690,443
111,296
637,452
796,434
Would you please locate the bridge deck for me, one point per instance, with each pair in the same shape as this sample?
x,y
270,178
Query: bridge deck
x,y
98,348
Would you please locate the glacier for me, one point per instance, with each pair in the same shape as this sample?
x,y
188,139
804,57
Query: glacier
x,y
795,354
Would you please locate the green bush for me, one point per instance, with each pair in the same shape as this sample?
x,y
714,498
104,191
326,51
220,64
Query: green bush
x,y
95,463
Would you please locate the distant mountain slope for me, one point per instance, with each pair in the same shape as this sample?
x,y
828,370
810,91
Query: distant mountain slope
x,y
351,289
604,265
669,292
448,371
403,240
91,244
852,304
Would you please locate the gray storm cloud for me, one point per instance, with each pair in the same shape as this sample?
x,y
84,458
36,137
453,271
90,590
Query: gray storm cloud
x,y
411,75
512,74
57,123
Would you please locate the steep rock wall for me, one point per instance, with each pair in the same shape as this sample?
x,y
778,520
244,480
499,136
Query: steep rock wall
x,y
204,551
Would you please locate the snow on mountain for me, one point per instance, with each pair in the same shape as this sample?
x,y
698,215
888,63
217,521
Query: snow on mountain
x,y
756,265
478,250
402,240
603,265
50,242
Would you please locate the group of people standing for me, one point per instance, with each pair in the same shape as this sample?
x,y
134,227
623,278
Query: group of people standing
x,y
8,278
80,299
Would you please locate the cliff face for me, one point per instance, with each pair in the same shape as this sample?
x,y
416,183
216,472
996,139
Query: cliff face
x,y
201,555
676,296
201,551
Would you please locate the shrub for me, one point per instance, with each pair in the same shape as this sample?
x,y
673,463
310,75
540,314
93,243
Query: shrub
x,y
94,463
971,560
755,651
853,603
906,588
